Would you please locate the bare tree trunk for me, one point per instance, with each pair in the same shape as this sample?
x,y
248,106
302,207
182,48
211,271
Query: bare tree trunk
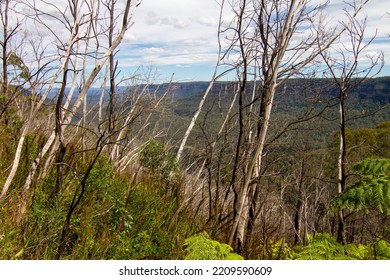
x,y
4,44
346,76
204,97
299,204
112,73
59,131
25,128
241,218
280,57
7,96
102,139
341,237
66,118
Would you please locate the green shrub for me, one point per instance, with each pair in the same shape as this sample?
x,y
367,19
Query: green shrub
x,y
202,247
325,247
322,247
381,250
278,250
160,162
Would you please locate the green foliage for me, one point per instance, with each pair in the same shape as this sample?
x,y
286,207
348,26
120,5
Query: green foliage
x,y
145,235
278,250
371,191
357,252
99,181
42,225
381,250
9,244
131,216
15,60
160,162
323,247
369,142
373,167
202,247
103,227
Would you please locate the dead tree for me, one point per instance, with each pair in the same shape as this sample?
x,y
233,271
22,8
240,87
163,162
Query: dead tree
x,y
215,77
267,41
77,20
344,66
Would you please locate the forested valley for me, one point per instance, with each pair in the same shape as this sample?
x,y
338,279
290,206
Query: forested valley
x,y
289,158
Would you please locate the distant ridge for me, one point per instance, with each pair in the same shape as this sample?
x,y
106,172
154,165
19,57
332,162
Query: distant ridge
x,y
374,88
377,89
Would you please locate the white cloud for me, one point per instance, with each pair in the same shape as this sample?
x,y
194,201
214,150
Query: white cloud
x,y
196,42
129,38
207,21
184,32
153,51
175,22
187,30
152,18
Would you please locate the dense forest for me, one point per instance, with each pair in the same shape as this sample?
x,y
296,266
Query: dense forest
x,y
279,162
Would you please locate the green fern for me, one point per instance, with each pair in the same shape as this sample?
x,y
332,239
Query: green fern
x,y
382,250
357,252
323,247
373,167
372,191
276,250
202,247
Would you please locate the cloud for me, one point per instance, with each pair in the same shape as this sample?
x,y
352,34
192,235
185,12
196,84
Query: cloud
x,y
183,65
196,42
175,22
129,38
183,33
152,18
206,21
153,51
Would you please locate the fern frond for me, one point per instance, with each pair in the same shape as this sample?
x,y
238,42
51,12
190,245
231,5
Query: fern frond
x,y
323,247
372,191
276,250
372,167
202,247
382,250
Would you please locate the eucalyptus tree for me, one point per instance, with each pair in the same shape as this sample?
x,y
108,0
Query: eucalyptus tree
x,y
21,80
8,57
349,65
266,43
214,78
76,30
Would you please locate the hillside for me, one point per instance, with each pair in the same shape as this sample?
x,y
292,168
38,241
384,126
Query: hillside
x,y
121,194
375,88
366,104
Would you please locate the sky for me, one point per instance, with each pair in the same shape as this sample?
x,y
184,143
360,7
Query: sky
x,y
180,36
175,37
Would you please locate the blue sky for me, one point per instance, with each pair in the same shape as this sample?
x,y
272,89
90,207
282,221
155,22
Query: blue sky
x,y
174,37
180,37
